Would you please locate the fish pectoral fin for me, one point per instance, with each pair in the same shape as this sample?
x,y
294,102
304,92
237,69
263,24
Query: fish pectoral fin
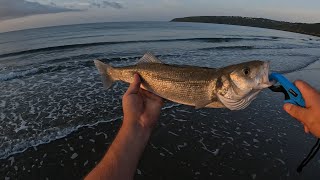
x,y
202,104
149,58
215,104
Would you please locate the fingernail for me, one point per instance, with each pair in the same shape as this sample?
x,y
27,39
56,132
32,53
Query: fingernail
x,y
287,107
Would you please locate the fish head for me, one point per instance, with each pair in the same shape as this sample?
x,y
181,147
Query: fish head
x,y
248,76
246,80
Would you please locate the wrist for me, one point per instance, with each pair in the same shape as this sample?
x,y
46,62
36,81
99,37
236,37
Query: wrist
x,y
136,129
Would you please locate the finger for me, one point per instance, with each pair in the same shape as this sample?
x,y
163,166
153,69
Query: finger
x,y
308,92
306,129
297,112
152,96
135,85
144,97
148,94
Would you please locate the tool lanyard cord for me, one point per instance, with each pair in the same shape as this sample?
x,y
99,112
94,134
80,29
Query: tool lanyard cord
x,y
311,154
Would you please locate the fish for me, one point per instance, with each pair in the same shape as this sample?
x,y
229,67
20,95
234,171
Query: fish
x,y
233,87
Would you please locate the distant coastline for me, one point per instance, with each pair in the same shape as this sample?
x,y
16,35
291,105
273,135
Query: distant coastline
x,y
302,28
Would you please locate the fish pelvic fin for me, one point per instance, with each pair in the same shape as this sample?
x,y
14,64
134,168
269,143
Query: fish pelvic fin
x,y
104,70
149,58
202,104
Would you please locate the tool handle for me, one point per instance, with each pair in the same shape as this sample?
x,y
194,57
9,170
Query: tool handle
x,y
295,96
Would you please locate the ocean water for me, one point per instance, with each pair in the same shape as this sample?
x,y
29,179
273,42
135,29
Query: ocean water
x,y
49,86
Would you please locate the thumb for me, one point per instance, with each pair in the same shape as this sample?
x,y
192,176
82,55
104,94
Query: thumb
x,y
297,112
135,85
308,92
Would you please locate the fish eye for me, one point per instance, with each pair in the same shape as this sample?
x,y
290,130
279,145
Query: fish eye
x,y
246,71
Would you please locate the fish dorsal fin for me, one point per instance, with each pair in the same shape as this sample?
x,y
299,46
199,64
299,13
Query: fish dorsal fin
x,y
234,104
149,58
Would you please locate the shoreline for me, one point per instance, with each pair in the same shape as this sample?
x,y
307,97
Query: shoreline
x,y
310,72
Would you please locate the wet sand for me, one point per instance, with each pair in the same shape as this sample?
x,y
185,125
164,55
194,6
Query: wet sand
x,y
260,142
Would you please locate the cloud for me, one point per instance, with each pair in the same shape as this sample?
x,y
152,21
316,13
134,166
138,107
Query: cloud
x,y
10,9
105,4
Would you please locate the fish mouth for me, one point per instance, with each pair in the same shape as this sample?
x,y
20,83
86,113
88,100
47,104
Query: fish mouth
x,y
264,76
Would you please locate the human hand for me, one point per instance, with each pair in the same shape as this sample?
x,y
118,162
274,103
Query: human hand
x,y
309,116
141,111
140,107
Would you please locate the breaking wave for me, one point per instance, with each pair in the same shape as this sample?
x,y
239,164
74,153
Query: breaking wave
x,y
73,46
33,71
228,48
62,64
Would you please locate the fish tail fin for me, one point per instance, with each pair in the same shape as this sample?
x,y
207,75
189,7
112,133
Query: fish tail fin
x,y
104,70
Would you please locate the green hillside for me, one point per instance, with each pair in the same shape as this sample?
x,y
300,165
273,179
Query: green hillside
x,y
303,28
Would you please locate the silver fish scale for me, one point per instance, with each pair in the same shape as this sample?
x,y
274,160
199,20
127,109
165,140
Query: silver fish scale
x,y
182,84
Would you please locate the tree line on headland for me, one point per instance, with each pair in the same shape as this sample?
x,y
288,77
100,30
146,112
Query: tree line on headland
x,y
303,28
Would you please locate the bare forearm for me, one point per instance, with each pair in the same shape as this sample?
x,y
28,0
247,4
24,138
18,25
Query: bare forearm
x,y
141,111
122,158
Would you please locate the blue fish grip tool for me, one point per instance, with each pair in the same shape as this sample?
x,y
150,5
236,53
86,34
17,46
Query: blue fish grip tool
x,y
293,96
291,92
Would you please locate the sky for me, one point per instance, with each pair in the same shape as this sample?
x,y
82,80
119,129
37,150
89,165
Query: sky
x,y
25,14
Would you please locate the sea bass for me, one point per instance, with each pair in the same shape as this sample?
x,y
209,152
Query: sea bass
x,y
233,87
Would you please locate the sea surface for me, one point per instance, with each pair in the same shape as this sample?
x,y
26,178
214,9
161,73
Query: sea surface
x,y
49,86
